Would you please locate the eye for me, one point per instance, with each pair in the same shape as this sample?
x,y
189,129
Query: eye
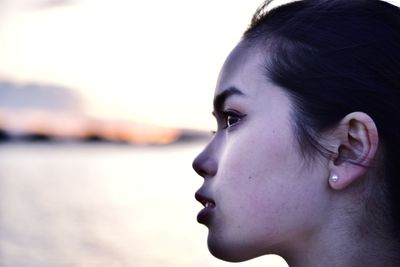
x,y
231,118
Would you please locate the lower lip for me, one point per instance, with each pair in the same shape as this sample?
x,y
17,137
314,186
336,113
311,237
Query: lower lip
x,y
205,215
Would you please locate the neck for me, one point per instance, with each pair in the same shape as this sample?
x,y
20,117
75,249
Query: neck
x,y
339,241
344,251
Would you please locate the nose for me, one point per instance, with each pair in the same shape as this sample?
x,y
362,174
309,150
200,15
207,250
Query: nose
x,y
205,165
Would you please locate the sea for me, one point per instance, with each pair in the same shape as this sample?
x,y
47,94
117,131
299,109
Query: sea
x,y
103,205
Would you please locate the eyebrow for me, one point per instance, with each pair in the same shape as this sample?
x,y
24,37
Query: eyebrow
x,y
220,99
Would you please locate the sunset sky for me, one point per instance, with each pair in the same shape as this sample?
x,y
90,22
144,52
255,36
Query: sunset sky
x,y
150,61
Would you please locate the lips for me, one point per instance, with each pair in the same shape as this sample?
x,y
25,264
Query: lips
x,y
204,215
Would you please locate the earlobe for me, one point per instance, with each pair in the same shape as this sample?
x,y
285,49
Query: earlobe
x,y
355,141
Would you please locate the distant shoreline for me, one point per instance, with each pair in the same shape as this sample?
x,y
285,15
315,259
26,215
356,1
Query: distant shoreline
x,y
185,137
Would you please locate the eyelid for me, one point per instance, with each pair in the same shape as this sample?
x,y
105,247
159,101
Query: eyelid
x,y
221,113
230,112
233,113
221,117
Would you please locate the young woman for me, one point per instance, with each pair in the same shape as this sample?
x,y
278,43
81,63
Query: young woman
x,y
306,159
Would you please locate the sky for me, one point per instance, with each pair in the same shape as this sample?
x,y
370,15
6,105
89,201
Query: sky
x,y
150,61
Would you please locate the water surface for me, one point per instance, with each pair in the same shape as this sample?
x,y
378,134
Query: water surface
x,y
101,205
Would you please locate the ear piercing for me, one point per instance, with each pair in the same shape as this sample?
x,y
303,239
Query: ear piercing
x,y
334,178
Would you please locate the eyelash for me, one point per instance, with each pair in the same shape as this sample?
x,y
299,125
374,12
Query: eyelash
x,y
228,114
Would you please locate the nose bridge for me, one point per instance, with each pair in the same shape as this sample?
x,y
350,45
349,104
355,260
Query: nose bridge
x,y
205,164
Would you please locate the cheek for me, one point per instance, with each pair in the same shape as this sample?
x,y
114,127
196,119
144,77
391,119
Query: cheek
x,y
252,169
258,152
257,171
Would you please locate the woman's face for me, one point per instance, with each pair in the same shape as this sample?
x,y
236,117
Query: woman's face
x,y
261,196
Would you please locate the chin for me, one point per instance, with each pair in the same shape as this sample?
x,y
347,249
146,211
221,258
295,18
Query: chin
x,y
230,251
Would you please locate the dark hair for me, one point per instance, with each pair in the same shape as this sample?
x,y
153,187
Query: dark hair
x,y
335,57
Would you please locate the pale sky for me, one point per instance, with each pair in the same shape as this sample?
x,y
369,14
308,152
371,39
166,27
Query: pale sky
x,y
151,61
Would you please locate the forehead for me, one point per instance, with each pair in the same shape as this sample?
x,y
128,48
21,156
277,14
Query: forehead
x,y
243,69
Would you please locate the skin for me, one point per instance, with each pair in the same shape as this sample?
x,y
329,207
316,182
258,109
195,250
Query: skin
x,y
268,199
258,177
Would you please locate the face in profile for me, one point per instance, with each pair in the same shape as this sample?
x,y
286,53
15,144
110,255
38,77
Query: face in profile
x,y
259,193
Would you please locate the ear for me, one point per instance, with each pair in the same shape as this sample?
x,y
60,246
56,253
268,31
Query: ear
x,y
355,141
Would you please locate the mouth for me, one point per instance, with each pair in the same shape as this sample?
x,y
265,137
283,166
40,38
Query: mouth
x,y
204,215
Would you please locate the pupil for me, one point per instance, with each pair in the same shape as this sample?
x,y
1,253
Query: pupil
x,y
231,120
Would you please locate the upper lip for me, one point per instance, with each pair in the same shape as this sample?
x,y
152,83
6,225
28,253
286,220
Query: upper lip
x,y
206,201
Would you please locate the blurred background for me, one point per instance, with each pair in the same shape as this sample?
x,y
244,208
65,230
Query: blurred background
x,y
103,106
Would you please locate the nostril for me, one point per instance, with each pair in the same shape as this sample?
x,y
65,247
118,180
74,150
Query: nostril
x,y
204,167
198,167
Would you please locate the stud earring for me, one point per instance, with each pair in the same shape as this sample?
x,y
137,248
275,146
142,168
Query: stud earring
x,y
334,178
